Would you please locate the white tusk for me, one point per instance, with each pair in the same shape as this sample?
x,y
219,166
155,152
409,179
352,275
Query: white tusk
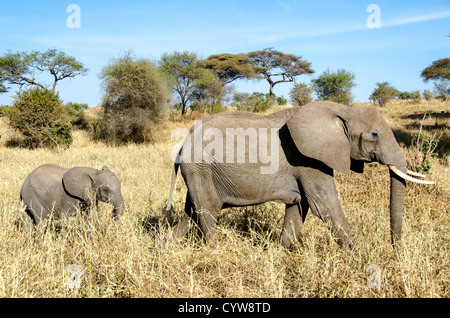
x,y
416,174
406,177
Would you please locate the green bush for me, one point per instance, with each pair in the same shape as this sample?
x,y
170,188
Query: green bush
x,y
383,93
39,115
256,102
59,133
335,86
427,94
3,109
215,108
77,116
404,95
281,101
416,97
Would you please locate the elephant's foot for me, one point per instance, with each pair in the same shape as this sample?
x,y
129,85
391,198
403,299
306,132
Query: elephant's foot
x,y
181,229
288,241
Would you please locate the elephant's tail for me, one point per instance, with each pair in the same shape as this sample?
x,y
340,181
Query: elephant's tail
x,y
18,208
167,211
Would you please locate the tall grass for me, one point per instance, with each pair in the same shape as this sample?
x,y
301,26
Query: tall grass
x,y
130,257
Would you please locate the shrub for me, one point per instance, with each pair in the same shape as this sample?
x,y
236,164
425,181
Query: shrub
x,y
301,94
404,95
124,126
424,149
59,133
427,94
39,115
383,94
136,95
3,109
77,116
215,108
335,86
281,101
416,97
256,103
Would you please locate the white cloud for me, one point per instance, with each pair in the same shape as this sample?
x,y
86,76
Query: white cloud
x,y
417,19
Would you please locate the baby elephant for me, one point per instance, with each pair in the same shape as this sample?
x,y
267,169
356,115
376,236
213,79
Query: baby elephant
x,y
51,189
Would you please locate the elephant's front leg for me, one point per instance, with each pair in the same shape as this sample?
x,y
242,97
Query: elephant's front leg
x,y
322,197
293,220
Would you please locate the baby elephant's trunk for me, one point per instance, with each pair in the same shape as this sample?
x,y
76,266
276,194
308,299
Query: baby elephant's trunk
x,y
119,206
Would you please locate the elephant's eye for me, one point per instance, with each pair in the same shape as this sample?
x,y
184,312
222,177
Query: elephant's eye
x,y
104,192
374,135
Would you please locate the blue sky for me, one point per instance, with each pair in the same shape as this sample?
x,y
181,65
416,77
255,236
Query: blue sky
x,y
329,34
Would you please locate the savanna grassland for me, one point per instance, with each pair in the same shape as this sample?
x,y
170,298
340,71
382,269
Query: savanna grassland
x,y
129,257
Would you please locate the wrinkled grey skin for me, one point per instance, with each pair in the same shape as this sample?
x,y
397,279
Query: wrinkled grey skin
x,y
314,140
51,189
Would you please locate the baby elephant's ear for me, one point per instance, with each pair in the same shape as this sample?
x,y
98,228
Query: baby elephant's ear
x,y
79,183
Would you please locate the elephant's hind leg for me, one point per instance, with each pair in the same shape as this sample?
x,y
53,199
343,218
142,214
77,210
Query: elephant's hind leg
x,y
206,207
24,218
208,222
181,229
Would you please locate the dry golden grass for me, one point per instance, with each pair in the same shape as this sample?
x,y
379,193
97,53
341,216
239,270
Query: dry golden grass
x,y
127,258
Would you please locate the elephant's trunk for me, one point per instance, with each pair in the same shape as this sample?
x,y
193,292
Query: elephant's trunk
x,y
119,206
398,186
394,158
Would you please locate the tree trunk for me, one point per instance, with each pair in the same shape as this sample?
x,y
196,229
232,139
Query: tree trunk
x,y
272,96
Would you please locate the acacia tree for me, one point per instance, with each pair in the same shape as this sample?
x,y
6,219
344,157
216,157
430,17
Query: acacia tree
x,y
439,72
182,70
21,68
277,67
230,67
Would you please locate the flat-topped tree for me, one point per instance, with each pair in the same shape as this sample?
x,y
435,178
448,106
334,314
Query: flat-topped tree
x,y
21,68
277,67
439,73
438,70
229,67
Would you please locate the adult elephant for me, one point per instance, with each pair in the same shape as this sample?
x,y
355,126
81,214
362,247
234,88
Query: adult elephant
x,y
54,190
306,144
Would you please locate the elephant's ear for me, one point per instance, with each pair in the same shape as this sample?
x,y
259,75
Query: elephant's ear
x,y
78,183
320,131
